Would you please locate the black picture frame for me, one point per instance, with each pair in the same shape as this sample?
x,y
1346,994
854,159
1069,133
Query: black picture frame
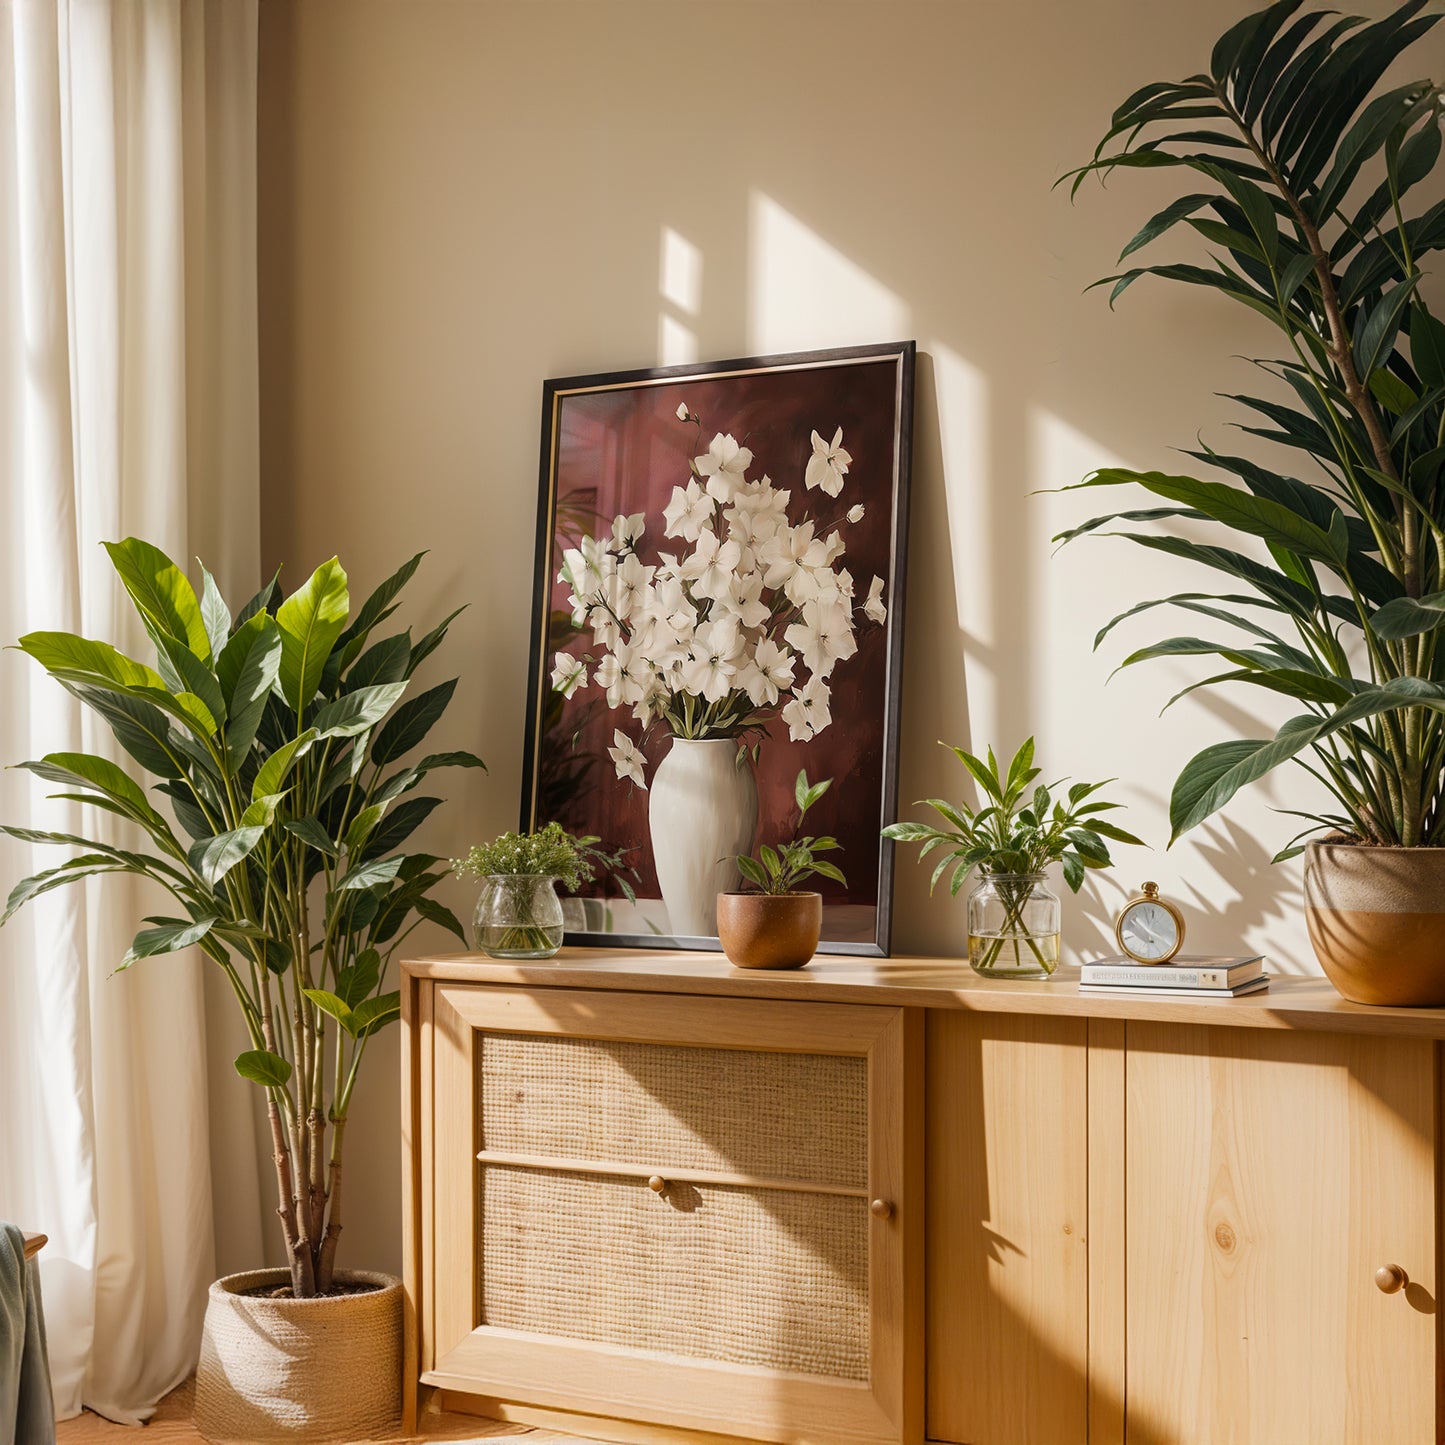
x,y
555,392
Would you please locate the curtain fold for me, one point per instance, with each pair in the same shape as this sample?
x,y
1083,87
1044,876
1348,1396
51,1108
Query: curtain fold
x,y
128,406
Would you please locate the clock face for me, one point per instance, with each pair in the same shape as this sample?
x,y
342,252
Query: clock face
x,y
1149,931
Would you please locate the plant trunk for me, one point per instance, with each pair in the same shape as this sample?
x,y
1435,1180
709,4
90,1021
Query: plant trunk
x,y
327,1267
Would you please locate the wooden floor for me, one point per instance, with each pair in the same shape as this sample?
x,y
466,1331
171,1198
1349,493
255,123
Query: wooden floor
x,y
171,1425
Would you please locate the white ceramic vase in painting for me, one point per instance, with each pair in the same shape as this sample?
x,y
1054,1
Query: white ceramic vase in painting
x,y
702,811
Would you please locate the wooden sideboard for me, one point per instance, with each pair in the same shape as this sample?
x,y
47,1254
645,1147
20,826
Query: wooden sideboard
x,y
649,1197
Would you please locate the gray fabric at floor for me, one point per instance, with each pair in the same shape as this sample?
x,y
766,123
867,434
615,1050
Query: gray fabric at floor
x,y
27,1413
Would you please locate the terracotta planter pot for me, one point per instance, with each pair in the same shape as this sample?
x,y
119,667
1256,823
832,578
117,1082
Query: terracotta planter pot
x,y
310,1369
758,930
1376,918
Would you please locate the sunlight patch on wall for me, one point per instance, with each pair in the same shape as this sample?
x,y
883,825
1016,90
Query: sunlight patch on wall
x,y
803,293
1092,725
680,285
963,430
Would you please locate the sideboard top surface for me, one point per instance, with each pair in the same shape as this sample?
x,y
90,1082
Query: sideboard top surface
x,y
919,982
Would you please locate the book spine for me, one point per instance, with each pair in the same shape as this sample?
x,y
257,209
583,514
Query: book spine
x,y
1157,977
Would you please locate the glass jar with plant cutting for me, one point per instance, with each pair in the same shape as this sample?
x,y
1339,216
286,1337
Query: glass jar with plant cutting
x,y
1014,919
519,914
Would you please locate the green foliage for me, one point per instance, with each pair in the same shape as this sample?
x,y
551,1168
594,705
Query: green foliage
x,y
780,870
1016,833
1307,200
283,844
551,852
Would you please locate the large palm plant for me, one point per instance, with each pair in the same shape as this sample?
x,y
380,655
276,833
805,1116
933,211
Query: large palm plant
x,y
1304,189
278,738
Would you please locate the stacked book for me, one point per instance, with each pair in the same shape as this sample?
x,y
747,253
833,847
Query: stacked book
x,y
1188,975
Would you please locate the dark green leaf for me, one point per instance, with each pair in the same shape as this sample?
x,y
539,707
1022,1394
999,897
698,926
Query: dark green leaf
x,y
411,722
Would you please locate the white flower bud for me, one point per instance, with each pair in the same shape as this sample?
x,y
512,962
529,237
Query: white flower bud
x,y
682,411
855,514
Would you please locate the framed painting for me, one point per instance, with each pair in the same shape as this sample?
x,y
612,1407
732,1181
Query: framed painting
x,y
718,608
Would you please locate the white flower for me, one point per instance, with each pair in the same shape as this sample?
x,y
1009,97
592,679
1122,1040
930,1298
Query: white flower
x,y
834,586
828,465
823,635
627,758
790,548
743,598
625,674
669,603
582,567
724,466
711,666
688,513
682,411
568,673
808,713
767,674
855,514
711,566
833,548
629,585
626,531
873,607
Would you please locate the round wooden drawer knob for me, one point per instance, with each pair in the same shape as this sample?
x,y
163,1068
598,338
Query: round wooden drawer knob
x,y
881,1209
1390,1278
657,1184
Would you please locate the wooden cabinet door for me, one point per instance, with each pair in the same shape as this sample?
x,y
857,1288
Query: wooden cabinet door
x,y
1268,1176
1008,1209
693,1212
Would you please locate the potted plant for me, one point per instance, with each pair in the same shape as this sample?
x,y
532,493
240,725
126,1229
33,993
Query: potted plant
x,y
279,736
1014,918
779,924
737,621
519,914
1306,188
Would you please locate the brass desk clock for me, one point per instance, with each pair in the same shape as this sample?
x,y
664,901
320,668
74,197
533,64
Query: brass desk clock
x,y
1149,929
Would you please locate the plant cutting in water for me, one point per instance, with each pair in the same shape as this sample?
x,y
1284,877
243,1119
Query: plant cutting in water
x,y
1014,837
778,871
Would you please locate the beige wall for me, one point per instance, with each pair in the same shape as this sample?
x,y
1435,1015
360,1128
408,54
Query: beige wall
x,y
460,199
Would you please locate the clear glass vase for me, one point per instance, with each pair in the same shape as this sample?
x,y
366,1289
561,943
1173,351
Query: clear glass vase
x,y
518,916
1014,923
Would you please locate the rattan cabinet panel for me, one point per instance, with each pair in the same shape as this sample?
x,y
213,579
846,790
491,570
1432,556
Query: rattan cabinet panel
x,y
749,1276
694,1213
664,1107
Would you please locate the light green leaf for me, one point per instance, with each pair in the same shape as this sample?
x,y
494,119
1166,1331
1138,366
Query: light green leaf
x,y
213,858
215,615
357,711
274,770
383,870
161,592
169,938
310,620
337,1008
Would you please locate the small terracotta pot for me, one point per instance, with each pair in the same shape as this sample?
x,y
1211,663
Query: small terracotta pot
x,y
1376,919
761,930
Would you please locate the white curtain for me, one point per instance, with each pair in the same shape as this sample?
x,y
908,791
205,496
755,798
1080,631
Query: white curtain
x,y
128,406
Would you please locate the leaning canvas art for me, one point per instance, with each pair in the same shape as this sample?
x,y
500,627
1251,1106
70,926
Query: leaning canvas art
x,y
719,607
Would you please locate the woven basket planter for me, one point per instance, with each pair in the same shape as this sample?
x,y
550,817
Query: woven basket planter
x,y
310,1369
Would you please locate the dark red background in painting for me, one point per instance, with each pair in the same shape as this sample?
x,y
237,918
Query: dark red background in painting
x,y
623,451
